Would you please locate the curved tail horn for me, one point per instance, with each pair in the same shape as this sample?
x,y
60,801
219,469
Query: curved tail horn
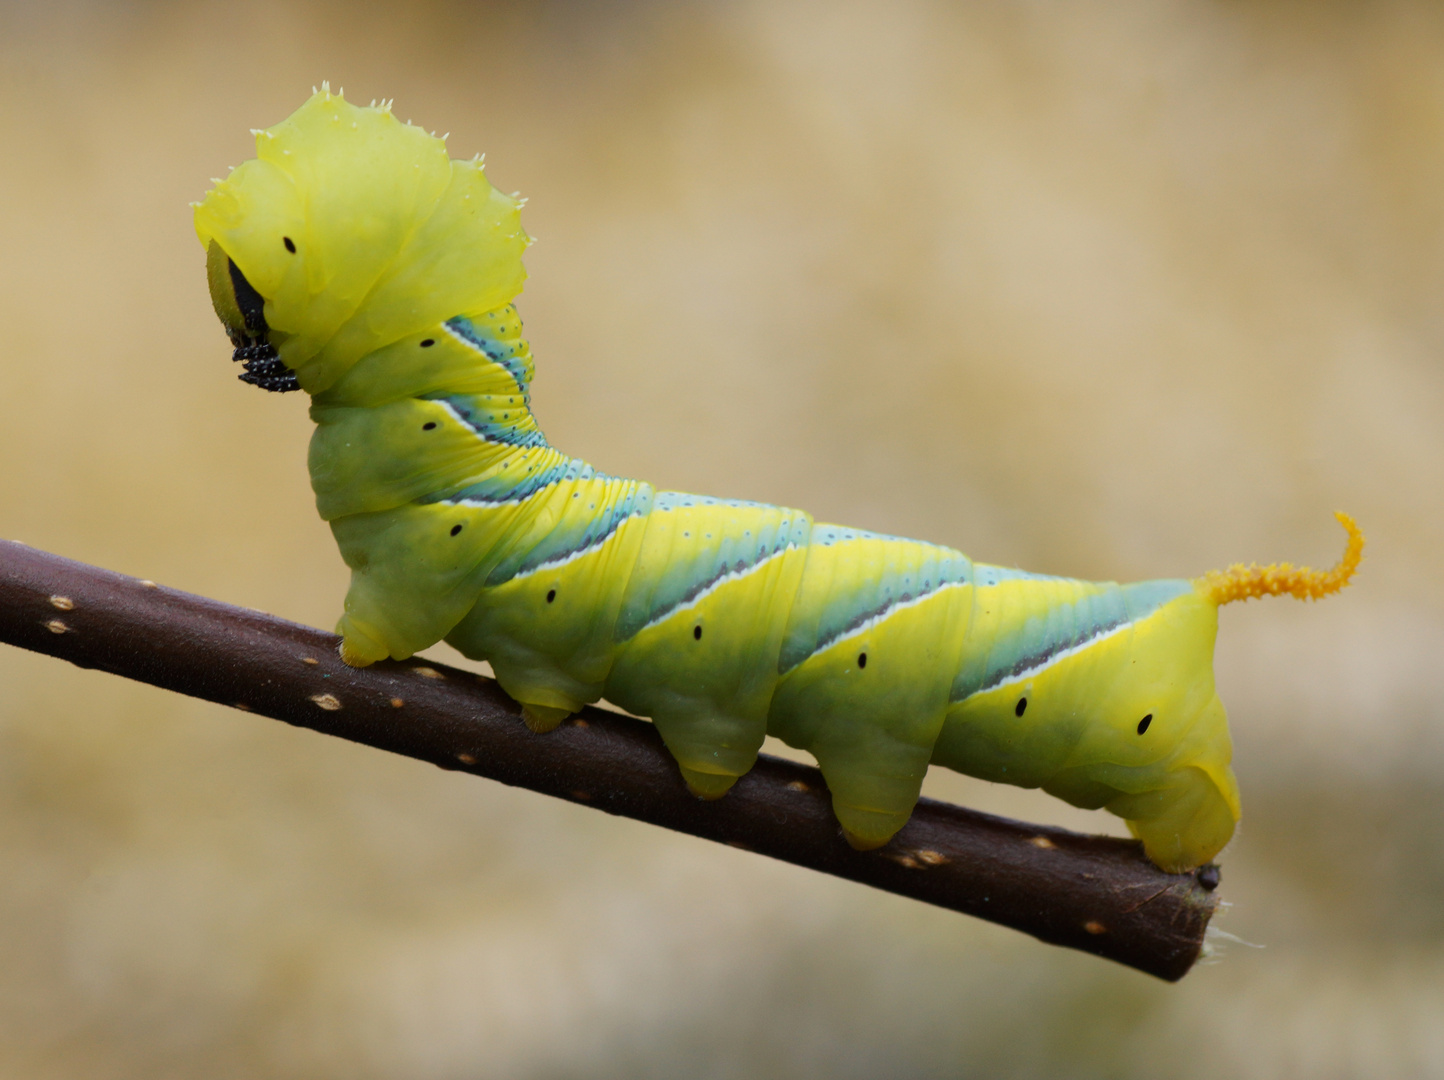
x,y
1241,582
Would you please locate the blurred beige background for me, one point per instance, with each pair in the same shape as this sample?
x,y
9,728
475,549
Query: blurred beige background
x,y
1109,289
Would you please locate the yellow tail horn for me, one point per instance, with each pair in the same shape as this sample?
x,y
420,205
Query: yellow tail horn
x,y
1241,582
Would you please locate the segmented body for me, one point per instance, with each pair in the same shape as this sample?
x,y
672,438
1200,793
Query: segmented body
x,y
722,620
385,274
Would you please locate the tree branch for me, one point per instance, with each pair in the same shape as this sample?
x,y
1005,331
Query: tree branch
x,y
1098,894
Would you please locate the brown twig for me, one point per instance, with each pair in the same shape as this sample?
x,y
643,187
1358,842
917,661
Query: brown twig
x,y
1094,893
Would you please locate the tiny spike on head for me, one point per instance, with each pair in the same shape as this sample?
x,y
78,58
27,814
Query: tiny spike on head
x,y
1241,582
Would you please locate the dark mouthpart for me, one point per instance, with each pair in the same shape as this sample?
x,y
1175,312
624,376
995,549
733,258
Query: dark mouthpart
x,y
263,366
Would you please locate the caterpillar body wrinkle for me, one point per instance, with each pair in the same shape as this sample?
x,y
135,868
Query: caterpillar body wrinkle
x,y
354,260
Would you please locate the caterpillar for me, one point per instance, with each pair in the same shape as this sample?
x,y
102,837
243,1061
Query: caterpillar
x,y
354,260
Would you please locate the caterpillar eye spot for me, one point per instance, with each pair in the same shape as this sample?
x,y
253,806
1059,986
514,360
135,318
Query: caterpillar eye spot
x,y
429,425
428,343
697,633
1143,724
551,595
862,660
290,244
1021,707
455,529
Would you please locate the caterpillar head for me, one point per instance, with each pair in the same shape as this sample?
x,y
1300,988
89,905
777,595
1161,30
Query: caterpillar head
x,y
350,230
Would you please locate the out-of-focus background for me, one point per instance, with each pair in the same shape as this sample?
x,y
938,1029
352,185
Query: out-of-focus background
x,y
1109,289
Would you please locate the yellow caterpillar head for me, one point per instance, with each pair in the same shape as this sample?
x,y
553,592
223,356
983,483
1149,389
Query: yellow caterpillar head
x,y
347,231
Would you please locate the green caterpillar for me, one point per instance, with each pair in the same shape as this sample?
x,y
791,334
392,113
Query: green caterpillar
x,y
352,259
